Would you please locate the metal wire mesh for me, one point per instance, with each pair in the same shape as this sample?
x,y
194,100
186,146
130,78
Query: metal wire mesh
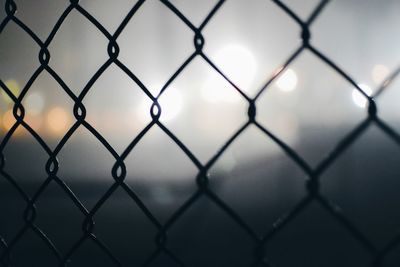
x,y
119,171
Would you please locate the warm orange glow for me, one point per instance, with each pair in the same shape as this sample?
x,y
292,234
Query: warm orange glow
x,y
8,120
57,120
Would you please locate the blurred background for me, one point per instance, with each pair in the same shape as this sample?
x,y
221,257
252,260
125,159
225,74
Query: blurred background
x,y
310,107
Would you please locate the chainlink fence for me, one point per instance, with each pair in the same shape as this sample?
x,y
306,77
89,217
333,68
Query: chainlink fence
x,y
119,172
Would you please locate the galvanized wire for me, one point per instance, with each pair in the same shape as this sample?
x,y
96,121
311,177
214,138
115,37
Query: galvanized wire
x,y
119,171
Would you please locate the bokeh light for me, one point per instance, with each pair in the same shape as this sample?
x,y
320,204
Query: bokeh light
x,y
34,103
171,103
358,98
287,81
57,120
8,120
239,65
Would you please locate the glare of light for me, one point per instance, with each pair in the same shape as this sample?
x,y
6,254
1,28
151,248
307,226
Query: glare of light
x,y
142,110
217,90
239,65
358,98
287,81
34,103
379,73
8,120
57,120
171,103
13,86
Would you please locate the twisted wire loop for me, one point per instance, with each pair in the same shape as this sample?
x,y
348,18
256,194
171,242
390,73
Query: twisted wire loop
x,y
119,171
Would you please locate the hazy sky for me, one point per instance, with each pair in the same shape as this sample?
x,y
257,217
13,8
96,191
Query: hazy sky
x,y
248,40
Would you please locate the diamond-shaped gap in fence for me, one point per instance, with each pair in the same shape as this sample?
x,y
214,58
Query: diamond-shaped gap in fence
x,y
38,18
31,250
195,11
126,230
352,36
364,183
19,56
388,108
109,13
13,222
219,239
169,182
254,174
249,57
90,254
302,9
27,168
77,51
211,109
117,108
310,113
89,175
54,209
155,43
49,109
315,238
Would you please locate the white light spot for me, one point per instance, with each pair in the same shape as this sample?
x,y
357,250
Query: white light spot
x,y
218,90
171,103
34,103
239,65
287,81
358,98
